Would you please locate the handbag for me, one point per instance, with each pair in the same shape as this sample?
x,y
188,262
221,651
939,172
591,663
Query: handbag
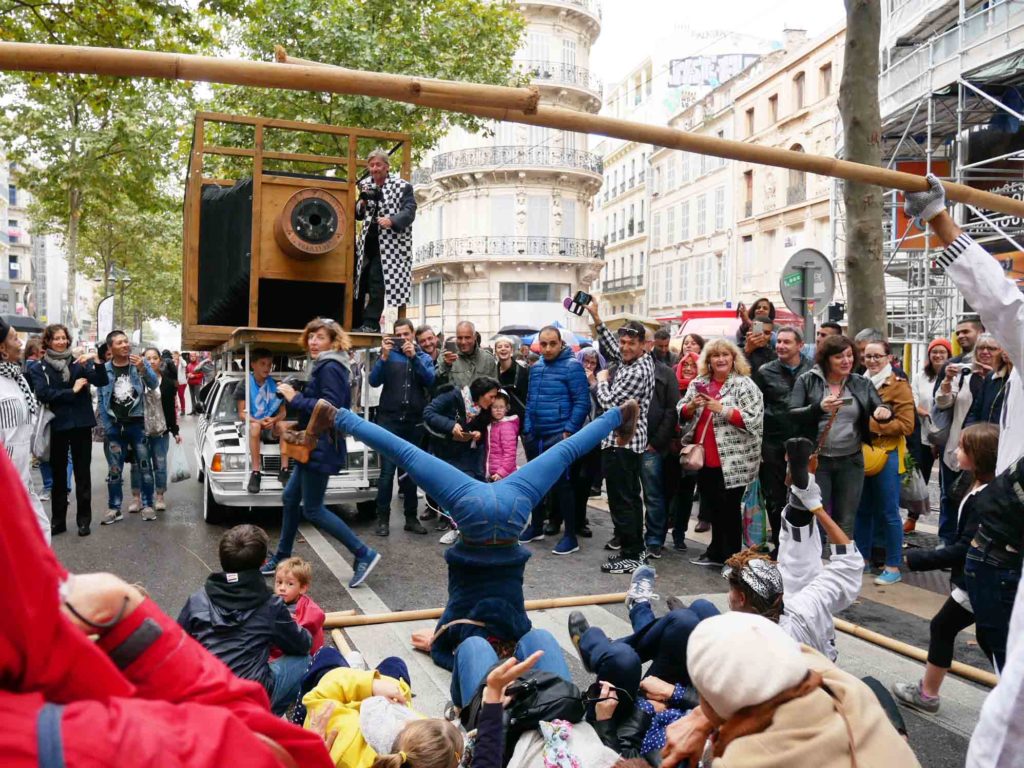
x,y
154,422
691,457
41,433
537,695
937,433
812,462
755,516
874,459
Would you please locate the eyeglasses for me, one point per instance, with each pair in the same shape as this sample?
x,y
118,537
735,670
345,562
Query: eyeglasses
x,y
874,357
990,349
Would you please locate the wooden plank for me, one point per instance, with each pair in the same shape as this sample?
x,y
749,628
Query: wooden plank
x,y
255,244
215,149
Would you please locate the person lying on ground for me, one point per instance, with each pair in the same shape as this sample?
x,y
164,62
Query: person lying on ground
x,y
94,673
237,619
771,701
485,568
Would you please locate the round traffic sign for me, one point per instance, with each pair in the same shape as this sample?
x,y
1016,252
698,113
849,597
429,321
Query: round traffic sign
x,y
807,277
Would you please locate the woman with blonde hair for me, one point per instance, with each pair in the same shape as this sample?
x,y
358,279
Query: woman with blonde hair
x,y
722,411
303,497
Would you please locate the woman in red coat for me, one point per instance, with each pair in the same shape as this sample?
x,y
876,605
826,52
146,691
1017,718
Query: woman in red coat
x,y
144,694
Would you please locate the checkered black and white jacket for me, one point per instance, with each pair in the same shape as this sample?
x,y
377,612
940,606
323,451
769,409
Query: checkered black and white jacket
x,y
395,243
739,449
632,381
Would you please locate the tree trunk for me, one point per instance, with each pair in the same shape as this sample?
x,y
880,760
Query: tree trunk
x,y
71,250
862,130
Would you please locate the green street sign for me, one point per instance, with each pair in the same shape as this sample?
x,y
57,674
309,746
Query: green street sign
x,y
793,278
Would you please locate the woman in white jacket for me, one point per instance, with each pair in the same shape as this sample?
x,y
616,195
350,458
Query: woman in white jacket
x,y
18,412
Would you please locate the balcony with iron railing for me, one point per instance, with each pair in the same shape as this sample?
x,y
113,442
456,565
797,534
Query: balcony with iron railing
x,y
622,284
420,176
589,7
516,156
506,248
556,73
983,37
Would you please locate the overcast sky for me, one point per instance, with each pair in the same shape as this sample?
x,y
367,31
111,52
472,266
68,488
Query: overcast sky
x,y
629,27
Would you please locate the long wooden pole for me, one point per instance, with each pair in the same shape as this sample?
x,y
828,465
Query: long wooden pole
x,y
31,57
493,102
343,619
571,120
966,671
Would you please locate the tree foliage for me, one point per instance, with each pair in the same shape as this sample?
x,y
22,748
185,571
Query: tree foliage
x,y
471,40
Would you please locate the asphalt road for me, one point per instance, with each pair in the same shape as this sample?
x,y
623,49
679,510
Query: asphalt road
x,y
172,556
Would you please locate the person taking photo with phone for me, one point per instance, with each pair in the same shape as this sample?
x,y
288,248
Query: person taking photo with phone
x,y
466,361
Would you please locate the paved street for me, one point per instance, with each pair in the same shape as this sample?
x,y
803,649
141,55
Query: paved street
x,y
171,557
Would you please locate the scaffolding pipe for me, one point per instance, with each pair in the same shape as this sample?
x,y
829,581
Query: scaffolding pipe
x,y
495,103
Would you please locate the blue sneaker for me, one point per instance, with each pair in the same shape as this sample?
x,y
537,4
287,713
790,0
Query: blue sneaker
x,y
531,533
566,546
362,567
269,568
888,577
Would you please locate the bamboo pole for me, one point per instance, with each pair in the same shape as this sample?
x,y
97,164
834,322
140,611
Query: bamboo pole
x,y
493,102
966,671
343,619
341,642
31,57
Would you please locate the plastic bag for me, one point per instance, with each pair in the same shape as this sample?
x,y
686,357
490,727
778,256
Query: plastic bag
x,y
755,516
177,464
914,494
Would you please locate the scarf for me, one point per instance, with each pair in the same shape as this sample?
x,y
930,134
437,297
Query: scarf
x,y
60,362
758,718
881,377
13,371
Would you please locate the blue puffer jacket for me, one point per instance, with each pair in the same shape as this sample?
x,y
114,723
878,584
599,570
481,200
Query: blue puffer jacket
x,y
328,380
559,397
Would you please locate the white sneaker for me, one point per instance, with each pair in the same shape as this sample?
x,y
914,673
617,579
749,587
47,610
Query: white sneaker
x,y
135,506
44,495
450,537
161,505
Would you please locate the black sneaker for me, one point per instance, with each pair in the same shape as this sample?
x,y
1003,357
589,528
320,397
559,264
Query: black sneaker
x,y
614,544
584,532
412,525
621,564
578,624
679,546
254,483
550,529
707,562
655,551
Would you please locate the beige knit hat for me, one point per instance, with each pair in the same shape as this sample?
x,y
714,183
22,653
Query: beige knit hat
x,y
737,660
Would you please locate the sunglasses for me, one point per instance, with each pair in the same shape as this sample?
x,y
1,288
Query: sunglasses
x,y
593,694
633,333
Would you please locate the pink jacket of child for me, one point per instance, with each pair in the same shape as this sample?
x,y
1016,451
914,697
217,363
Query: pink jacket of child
x,y
501,446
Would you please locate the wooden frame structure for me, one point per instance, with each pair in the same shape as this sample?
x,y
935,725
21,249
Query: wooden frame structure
x,y
196,335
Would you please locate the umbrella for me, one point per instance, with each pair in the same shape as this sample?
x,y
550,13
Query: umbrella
x,y
517,330
571,340
23,323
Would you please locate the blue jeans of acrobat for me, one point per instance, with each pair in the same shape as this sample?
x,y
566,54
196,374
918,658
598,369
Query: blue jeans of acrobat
x,y
303,497
662,641
475,657
484,512
119,437
879,509
287,673
652,482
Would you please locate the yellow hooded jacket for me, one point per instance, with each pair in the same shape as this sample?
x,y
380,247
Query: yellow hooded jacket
x,y
347,688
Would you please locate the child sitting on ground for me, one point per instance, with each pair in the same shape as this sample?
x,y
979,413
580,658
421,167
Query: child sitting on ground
x,y
502,436
237,619
291,583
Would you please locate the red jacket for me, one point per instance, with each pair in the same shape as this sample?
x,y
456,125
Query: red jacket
x,y
172,704
310,617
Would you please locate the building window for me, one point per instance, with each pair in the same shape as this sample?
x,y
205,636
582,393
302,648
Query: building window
x,y
540,292
537,45
13,231
722,276
796,192
798,91
719,209
13,268
432,292
569,52
748,257
750,122
773,108
12,194
414,295
684,171
670,226
684,220
748,194
655,284
720,161
684,269
656,231
702,214
825,80
670,175
669,284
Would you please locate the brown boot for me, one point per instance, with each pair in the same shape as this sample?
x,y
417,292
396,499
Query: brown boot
x,y
909,525
630,412
322,419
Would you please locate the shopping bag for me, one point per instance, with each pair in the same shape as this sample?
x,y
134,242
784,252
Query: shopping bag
x,y
41,433
914,495
177,464
755,516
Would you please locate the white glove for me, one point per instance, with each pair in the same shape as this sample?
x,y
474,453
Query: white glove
x,y
809,497
928,204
